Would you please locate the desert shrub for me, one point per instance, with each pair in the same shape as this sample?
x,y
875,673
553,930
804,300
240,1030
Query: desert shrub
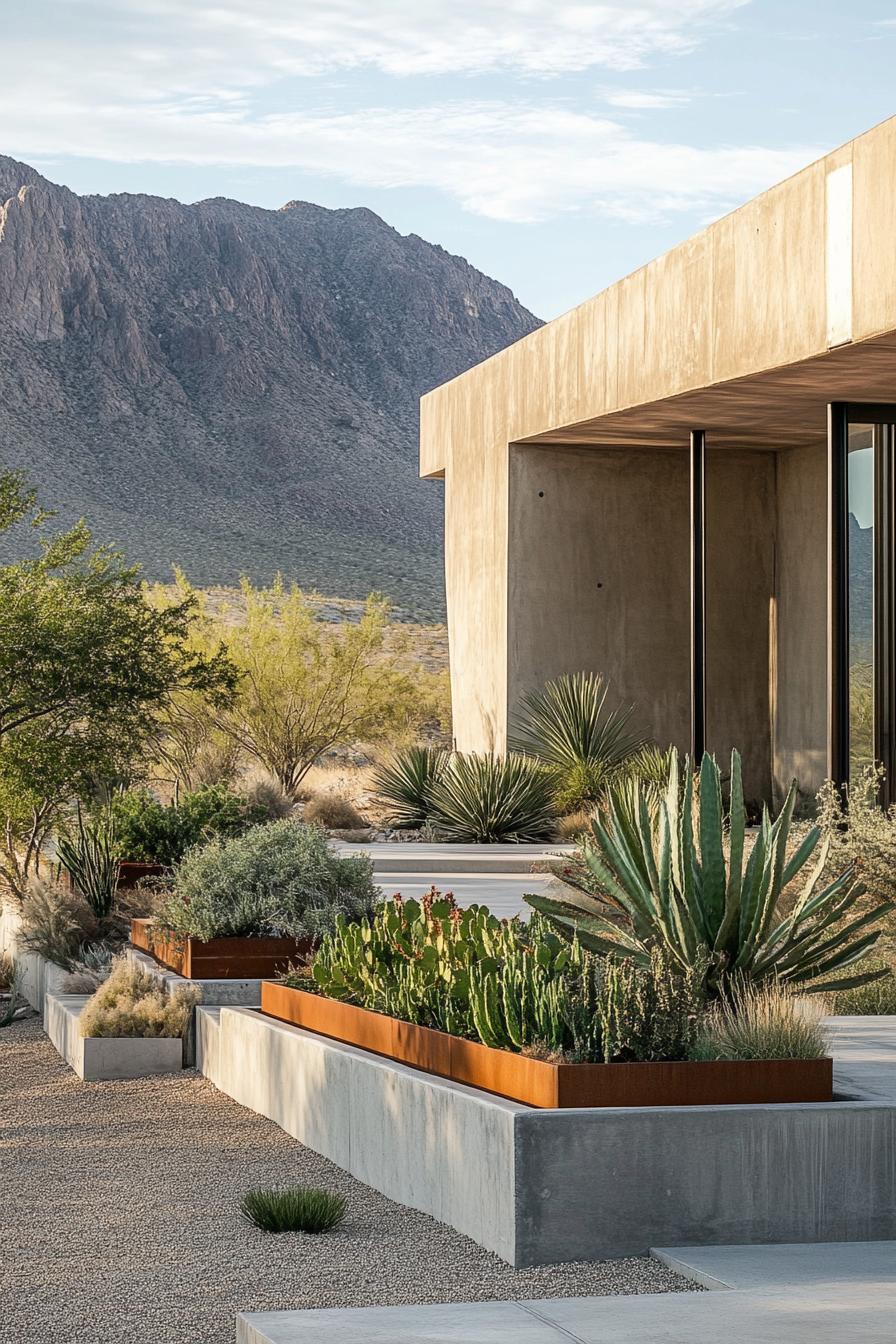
x,y
860,832
674,875
404,784
877,999
300,1208
761,1022
307,686
266,796
571,728
131,1002
55,922
509,985
280,878
333,811
148,831
89,855
488,799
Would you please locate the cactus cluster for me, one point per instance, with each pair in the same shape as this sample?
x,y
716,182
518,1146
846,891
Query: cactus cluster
x,y
510,985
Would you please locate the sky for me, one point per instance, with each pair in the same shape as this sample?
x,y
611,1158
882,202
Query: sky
x,y
557,146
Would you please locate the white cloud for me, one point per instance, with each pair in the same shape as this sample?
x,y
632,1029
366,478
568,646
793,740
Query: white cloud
x,y
244,39
216,83
647,100
494,158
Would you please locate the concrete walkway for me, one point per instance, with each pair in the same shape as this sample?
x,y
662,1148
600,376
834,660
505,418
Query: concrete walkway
x,y
398,857
494,875
864,1058
828,1294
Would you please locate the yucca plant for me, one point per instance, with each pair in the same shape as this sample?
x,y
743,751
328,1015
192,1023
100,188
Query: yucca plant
x,y
405,784
660,876
300,1208
493,798
571,728
90,857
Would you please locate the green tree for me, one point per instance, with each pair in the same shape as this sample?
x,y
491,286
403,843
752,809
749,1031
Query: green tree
x,y
306,685
86,666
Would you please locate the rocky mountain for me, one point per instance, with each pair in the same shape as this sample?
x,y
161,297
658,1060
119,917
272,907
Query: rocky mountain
x,y
231,389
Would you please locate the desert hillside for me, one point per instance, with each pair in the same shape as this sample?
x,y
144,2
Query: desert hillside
x,y
231,389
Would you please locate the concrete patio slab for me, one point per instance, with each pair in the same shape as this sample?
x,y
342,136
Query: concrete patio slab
x,y
864,1057
793,1266
502,892
826,1294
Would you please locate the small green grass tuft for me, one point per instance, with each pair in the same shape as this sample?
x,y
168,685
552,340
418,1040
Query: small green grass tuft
x,y
300,1208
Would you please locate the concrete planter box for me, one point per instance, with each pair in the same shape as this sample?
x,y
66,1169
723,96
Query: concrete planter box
x,y
219,958
537,1083
97,1058
542,1186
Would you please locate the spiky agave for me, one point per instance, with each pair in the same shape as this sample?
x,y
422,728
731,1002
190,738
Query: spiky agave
x,y
493,798
663,878
570,725
405,783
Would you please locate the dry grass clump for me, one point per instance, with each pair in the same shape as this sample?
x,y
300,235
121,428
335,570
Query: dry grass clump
x,y
56,922
575,825
762,1022
134,1003
266,793
334,811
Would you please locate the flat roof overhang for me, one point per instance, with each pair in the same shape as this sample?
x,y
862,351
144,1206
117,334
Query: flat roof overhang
x,y
747,330
779,408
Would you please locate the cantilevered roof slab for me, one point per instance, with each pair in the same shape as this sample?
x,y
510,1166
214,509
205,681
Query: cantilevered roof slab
x,y
747,330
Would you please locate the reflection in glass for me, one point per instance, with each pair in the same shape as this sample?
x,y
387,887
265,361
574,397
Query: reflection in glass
x,y
860,508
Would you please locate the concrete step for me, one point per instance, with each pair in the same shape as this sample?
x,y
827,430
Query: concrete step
x,y
441,859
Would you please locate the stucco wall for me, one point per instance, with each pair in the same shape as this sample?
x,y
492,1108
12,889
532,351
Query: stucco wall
x,y
599,565
800,740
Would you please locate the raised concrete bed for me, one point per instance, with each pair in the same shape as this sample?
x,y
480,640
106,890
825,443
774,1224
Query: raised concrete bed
x,y
539,1187
213,993
537,1082
105,1057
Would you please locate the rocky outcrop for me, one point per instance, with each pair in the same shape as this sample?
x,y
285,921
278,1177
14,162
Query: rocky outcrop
x,y
232,389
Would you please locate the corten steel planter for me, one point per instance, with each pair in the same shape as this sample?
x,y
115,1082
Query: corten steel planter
x,y
131,872
552,1086
219,958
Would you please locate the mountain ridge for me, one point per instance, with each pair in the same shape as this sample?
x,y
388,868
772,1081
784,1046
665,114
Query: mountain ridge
x,y
234,389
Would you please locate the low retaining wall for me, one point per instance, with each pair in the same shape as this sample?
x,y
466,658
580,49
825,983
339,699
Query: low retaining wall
x,y
213,993
539,1187
97,1058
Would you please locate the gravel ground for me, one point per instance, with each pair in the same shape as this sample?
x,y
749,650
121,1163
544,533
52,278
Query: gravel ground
x,y
120,1220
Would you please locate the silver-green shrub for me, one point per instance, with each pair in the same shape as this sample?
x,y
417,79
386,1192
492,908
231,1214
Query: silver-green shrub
x,y
277,879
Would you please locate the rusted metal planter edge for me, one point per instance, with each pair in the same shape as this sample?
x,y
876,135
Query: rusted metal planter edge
x,y
219,958
547,1086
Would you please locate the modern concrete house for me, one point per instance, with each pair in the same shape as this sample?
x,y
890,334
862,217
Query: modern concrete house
x,y
687,484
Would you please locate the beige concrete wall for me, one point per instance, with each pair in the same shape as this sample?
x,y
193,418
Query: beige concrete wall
x,y
740,586
599,563
800,684
805,266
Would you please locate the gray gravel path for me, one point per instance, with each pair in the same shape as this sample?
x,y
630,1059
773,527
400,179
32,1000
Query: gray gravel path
x,y
119,1218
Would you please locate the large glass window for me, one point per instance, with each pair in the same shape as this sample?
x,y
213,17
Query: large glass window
x,y
860,552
